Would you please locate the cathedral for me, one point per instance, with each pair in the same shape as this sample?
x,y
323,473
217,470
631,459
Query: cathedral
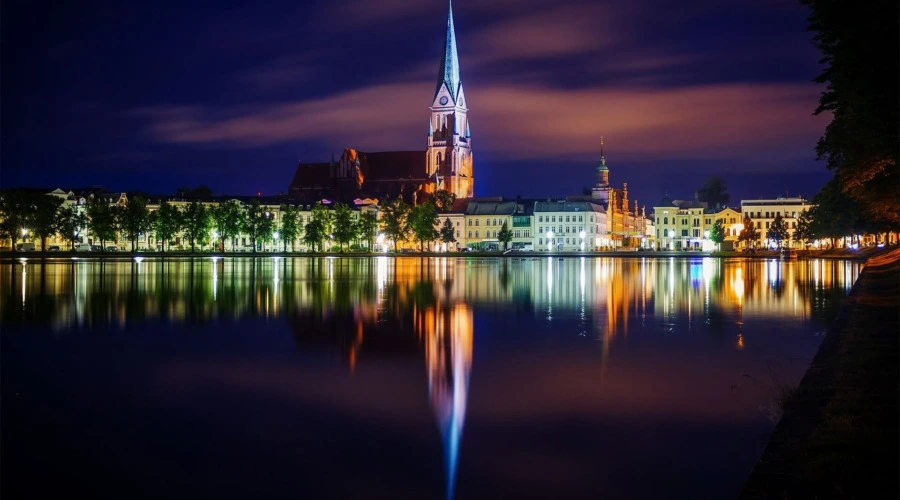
x,y
444,164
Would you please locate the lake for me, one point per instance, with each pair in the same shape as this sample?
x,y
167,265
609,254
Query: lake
x,y
408,377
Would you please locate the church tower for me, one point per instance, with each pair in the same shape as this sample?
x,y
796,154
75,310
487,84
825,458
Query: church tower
x,y
601,189
449,154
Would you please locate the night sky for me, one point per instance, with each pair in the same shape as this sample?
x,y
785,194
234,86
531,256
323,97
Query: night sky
x,y
156,95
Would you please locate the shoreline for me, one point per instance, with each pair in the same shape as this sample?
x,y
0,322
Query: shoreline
x,y
838,437
860,255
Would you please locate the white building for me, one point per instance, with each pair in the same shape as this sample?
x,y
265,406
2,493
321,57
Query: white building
x,y
762,213
570,226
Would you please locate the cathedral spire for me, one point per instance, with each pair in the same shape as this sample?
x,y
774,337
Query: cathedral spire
x,y
449,70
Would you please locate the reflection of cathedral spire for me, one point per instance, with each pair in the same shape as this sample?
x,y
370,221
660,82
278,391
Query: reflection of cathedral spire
x,y
448,358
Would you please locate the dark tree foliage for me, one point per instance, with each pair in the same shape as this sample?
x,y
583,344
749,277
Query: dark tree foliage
x,y
167,223
448,233
344,225
505,235
423,220
101,220
858,41
714,192
258,222
717,234
778,231
134,219
366,227
749,234
444,199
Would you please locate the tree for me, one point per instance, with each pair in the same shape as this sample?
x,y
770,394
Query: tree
x,y
803,231
344,227
505,235
134,219
290,225
258,222
167,223
196,222
13,213
444,200
714,192
313,234
448,232
71,222
324,224
860,52
835,214
717,234
749,234
423,220
101,220
228,219
366,227
395,221
778,231
44,221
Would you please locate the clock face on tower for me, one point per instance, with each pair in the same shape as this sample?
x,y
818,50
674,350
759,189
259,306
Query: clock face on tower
x,y
443,99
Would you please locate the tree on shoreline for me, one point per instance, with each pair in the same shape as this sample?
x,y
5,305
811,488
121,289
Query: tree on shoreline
x,y
448,232
134,219
505,235
101,220
167,223
344,226
860,53
196,223
290,226
228,218
749,235
717,233
423,220
395,221
778,231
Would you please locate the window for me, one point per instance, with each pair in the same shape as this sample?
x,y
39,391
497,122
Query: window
x,y
476,233
707,221
540,241
470,234
476,222
759,224
553,219
684,232
696,233
470,222
665,220
457,223
527,233
457,233
767,224
540,218
684,222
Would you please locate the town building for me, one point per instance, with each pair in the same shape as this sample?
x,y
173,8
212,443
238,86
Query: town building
x,y
762,214
687,225
570,226
445,163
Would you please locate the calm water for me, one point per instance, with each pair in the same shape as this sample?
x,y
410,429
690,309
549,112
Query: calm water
x,y
401,378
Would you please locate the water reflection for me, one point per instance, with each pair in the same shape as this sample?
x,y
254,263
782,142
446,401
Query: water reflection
x,y
359,308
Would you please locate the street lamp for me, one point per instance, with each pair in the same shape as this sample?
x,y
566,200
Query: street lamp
x,y
549,237
24,232
581,235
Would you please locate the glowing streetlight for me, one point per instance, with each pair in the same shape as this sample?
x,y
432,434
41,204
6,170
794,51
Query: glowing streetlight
x,y
549,238
24,232
275,235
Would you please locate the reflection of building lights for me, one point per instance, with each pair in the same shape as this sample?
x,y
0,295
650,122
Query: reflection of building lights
x,y
740,342
549,237
138,259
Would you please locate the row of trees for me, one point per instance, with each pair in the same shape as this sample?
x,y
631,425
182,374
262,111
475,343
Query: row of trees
x,y
28,214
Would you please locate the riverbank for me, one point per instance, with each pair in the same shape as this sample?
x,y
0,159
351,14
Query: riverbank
x,y
861,254
838,437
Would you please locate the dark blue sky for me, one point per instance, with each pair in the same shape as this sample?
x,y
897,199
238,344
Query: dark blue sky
x,y
152,96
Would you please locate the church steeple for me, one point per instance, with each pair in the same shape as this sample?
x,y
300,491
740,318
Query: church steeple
x,y
449,145
448,73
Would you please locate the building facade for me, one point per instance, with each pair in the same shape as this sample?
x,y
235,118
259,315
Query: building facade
x,y
762,214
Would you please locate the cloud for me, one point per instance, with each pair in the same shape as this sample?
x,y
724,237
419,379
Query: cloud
x,y
725,120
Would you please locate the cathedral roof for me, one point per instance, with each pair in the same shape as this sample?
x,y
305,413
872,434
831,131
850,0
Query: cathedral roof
x,y
449,70
387,165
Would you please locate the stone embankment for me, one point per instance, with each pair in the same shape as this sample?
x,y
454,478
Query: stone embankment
x,y
838,437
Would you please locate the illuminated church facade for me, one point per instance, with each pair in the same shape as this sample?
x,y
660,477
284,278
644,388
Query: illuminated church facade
x,y
445,163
